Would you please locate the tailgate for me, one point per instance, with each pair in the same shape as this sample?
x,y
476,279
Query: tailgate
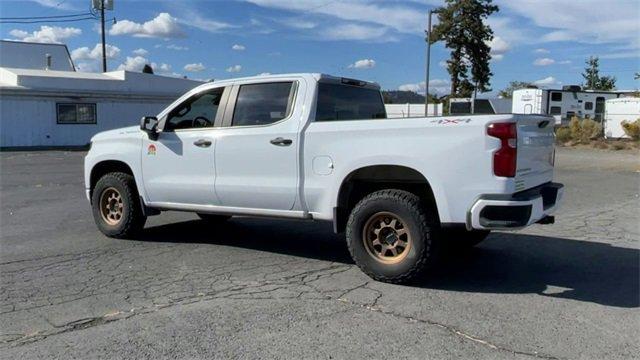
x,y
535,151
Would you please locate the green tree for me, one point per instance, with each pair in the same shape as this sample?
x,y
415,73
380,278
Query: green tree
x,y
514,85
592,78
463,29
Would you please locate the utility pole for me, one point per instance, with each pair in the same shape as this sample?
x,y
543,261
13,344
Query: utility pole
x,y
427,38
104,46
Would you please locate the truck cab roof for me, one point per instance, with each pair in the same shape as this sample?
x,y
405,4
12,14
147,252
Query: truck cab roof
x,y
317,77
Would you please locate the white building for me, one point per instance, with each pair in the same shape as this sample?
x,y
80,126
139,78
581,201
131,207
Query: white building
x,y
44,102
563,104
617,111
27,55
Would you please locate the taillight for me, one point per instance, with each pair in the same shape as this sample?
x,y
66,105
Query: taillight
x,y
504,159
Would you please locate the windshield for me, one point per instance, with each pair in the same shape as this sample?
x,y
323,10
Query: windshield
x,y
344,102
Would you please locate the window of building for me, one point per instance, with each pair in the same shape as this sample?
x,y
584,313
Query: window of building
x,y
588,105
263,104
555,110
556,96
76,113
570,114
346,102
198,111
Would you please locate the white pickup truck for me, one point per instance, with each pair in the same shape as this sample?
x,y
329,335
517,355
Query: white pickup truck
x,y
318,147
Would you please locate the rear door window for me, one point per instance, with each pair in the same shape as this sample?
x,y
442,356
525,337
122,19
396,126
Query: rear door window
x,y
345,102
263,104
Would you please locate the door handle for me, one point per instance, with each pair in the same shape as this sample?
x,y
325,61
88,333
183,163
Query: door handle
x,y
281,141
202,143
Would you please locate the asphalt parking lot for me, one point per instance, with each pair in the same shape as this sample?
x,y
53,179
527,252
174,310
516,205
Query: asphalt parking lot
x,y
258,288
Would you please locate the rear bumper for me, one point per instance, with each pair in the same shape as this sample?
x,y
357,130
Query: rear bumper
x,y
517,210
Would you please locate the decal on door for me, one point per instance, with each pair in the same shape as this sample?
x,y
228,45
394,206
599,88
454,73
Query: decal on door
x,y
151,150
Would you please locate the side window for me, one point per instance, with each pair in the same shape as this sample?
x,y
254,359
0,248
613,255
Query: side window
x,y
263,104
76,113
555,110
199,111
556,96
588,105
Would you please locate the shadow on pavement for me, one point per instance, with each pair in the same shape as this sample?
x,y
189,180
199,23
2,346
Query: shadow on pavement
x,y
505,263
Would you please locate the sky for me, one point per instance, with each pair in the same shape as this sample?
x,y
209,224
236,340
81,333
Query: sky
x,y
541,41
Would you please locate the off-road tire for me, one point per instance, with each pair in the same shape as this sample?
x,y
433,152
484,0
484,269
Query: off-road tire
x,y
132,218
213,218
420,223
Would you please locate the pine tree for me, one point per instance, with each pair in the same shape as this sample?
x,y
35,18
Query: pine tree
x,y
592,78
461,26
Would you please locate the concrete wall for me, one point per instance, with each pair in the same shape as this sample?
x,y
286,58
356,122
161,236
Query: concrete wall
x,y
31,121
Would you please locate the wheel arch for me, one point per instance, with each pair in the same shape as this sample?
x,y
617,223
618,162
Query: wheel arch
x,y
367,179
104,167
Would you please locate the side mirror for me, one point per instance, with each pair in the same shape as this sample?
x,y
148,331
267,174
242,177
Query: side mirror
x,y
149,124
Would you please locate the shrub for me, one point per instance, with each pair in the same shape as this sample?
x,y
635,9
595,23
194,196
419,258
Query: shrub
x,y
584,130
632,129
563,135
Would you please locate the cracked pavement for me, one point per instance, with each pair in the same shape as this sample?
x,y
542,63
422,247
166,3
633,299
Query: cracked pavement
x,y
262,288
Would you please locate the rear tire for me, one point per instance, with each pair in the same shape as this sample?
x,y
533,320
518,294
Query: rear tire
x,y
391,236
116,206
213,218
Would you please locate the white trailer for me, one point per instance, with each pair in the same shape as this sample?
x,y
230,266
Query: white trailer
x,y
617,111
462,106
411,110
562,104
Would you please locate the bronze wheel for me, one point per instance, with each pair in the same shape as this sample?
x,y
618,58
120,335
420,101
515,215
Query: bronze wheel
x,y
111,206
386,237
390,236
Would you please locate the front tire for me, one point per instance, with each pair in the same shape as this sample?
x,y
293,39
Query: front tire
x,y
116,206
391,236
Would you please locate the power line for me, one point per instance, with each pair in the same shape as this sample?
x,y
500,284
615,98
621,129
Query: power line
x,y
44,21
44,17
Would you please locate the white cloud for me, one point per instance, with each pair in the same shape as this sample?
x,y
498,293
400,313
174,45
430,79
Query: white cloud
x,y
238,47
443,63
264,74
192,18
87,66
140,52
133,63
57,4
84,53
541,51
585,21
298,23
177,47
564,62
195,67
549,81
363,64
46,34
498,47
162,26
436,86
543,62
162,67
357,32
234,68
401,18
